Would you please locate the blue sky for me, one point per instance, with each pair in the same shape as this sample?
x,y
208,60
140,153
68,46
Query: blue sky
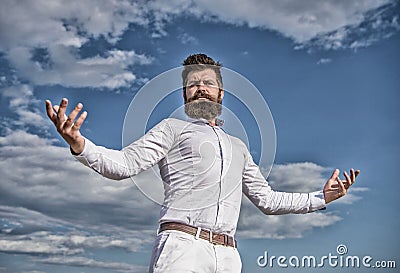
x,y
329,71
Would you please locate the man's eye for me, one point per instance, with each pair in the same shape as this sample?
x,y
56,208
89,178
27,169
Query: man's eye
x,y
193,83
196,83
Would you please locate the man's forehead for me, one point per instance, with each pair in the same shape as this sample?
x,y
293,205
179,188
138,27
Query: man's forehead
x,y
200,74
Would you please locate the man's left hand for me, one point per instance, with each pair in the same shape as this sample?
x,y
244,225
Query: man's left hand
x,y
336,188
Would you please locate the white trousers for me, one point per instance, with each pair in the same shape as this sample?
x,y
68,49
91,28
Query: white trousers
x,y
179,252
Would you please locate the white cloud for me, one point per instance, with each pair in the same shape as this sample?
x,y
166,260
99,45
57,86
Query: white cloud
x,y
65,248
70,242
327,24
53,206
299,20
22,102
62,28
324,61
71,24
298,177
111,71
87,262
186,38
21,218
40,23
33,233
376,25
48,178
33,247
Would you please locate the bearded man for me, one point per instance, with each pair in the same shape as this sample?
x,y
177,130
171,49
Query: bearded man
x,y
204,171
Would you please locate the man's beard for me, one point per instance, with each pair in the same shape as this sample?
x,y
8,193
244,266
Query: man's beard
x,y
207,109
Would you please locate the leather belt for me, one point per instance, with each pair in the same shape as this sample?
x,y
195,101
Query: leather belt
x,y
214,238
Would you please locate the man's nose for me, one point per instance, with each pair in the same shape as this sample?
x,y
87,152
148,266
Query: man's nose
x,y
201,86
200,83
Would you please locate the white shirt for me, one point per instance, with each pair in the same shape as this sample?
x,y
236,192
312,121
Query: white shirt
x,y
204,170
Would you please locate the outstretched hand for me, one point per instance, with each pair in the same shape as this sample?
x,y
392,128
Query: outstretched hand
x,y
68,126
336,188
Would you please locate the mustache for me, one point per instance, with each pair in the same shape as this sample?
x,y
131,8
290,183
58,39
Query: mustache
x,y
200,94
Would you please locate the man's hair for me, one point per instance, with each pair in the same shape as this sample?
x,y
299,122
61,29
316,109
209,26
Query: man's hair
x,y
198,62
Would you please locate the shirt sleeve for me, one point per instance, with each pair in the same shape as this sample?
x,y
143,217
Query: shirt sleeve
x,y
257,189
136,157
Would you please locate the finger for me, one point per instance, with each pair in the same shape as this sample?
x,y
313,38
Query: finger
x,y
352,175
56,108
348,180
342,188
346,175
79,121
50,112
334,175
61,110
73,115
333,178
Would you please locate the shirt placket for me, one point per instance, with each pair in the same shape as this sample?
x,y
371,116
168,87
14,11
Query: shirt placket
x,y
220,146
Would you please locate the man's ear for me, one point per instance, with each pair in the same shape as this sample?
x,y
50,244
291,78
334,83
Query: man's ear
x,y
221,94
184,94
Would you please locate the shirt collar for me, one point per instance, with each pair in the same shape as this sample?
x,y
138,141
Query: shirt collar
x,y
218,122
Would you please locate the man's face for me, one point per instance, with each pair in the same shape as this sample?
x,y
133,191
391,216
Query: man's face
x,y
202,86
203,95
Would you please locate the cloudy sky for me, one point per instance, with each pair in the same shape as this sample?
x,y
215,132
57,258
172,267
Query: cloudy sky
x,y
328,70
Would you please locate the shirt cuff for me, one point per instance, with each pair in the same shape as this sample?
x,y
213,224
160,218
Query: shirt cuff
x,y
87,150
317,200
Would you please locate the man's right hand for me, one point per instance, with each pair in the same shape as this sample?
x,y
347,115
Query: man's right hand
x,y
66,126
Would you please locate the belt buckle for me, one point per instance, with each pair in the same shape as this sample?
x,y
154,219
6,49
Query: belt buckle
x,y
226,240
197,236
